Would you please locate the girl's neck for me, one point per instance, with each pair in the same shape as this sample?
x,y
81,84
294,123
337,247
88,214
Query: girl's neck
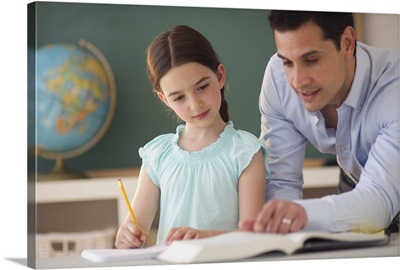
x,y
194,138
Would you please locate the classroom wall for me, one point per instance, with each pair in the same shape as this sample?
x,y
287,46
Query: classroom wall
x,y
381,30
241,37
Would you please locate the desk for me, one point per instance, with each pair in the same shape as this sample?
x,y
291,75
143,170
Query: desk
x,y
390,250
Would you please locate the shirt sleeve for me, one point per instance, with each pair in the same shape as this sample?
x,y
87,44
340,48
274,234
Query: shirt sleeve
x,y
153,153
245,146
286,146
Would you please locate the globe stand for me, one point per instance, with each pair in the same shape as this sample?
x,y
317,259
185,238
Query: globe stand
x,y
60,172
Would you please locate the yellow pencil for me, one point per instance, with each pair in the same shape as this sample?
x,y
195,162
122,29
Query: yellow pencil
x,y
127,201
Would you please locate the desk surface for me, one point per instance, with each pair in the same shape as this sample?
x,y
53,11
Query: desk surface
x,y
390,250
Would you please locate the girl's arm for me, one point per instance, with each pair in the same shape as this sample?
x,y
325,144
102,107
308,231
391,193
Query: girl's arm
x,y
252,184
144,204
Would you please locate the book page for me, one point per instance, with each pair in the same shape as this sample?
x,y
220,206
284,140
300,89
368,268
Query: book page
x,y
239,245
236,238
229,246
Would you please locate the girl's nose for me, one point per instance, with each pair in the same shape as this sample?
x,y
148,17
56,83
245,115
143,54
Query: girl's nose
x,y
196,102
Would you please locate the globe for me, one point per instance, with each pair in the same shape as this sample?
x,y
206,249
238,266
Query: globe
x,y
75,100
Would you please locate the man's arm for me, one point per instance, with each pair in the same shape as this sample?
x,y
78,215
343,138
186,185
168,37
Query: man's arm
x,y
285,144
374,202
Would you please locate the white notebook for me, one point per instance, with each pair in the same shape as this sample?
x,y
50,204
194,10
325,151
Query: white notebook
x,y
118,255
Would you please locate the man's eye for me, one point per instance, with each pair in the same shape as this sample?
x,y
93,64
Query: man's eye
x,y
287,63
313,60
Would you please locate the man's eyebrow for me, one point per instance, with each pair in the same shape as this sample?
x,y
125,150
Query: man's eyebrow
x,y
282,57
302,56
310,53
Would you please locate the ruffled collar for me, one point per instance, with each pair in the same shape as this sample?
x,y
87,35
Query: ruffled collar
x,y
208,151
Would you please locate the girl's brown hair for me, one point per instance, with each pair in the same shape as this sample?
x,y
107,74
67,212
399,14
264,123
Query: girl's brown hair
x,y
180,45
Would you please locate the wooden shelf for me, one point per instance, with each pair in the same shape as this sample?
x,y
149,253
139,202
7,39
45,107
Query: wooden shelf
x,y
117,173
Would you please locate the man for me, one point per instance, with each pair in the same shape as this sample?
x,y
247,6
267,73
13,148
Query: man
x,y
342,96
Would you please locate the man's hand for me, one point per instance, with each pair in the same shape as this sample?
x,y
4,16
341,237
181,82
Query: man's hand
x,y
277,217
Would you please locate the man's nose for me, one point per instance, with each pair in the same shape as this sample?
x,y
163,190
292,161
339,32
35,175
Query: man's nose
x,y
300,78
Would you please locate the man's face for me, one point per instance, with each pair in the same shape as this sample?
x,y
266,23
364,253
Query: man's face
x,y
315,69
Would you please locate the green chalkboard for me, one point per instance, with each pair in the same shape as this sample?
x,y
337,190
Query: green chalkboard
x,y
241,37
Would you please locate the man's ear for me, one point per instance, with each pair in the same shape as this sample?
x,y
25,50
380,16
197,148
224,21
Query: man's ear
x,y
162,97
349,39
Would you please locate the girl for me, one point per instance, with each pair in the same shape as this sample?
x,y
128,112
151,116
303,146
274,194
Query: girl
x,y
207,176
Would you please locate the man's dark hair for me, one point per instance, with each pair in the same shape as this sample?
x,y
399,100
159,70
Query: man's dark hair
x,y
331,23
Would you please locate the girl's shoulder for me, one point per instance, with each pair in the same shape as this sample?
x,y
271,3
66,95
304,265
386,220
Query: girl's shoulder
x,y
244,145
159,145
242,137
245,141
160,139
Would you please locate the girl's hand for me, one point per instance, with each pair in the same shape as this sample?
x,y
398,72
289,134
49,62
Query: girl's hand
x,y
130,235
184,233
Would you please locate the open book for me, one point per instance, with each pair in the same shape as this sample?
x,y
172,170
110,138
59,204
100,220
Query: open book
x,y
236,246
241,245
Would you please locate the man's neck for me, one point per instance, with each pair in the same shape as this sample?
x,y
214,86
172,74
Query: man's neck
x,y
331,116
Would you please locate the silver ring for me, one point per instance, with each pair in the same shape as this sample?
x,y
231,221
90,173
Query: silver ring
x,y
286,221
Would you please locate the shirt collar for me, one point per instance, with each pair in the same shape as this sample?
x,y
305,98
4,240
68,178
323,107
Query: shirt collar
x,y
359,88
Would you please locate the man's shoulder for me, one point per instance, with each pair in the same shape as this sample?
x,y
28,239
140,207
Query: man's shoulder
x,y
275,60
275,70
377,55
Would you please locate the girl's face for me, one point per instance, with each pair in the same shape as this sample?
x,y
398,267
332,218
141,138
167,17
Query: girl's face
x,y
192,91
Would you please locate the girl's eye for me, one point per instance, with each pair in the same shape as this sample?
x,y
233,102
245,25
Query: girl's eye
x,y
203,87
178,98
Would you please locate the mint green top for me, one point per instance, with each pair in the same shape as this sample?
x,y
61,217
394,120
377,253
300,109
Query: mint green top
x,y
199,189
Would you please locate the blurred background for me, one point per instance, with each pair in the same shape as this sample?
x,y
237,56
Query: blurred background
x,y
121,34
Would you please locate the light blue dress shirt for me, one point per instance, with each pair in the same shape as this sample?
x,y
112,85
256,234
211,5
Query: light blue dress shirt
x,y
366,143
200,189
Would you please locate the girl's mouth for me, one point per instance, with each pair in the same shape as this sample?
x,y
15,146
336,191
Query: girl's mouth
x,y
202,115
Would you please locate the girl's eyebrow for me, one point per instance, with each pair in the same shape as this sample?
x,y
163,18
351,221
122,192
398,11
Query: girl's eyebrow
x,y
196,84
201,80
